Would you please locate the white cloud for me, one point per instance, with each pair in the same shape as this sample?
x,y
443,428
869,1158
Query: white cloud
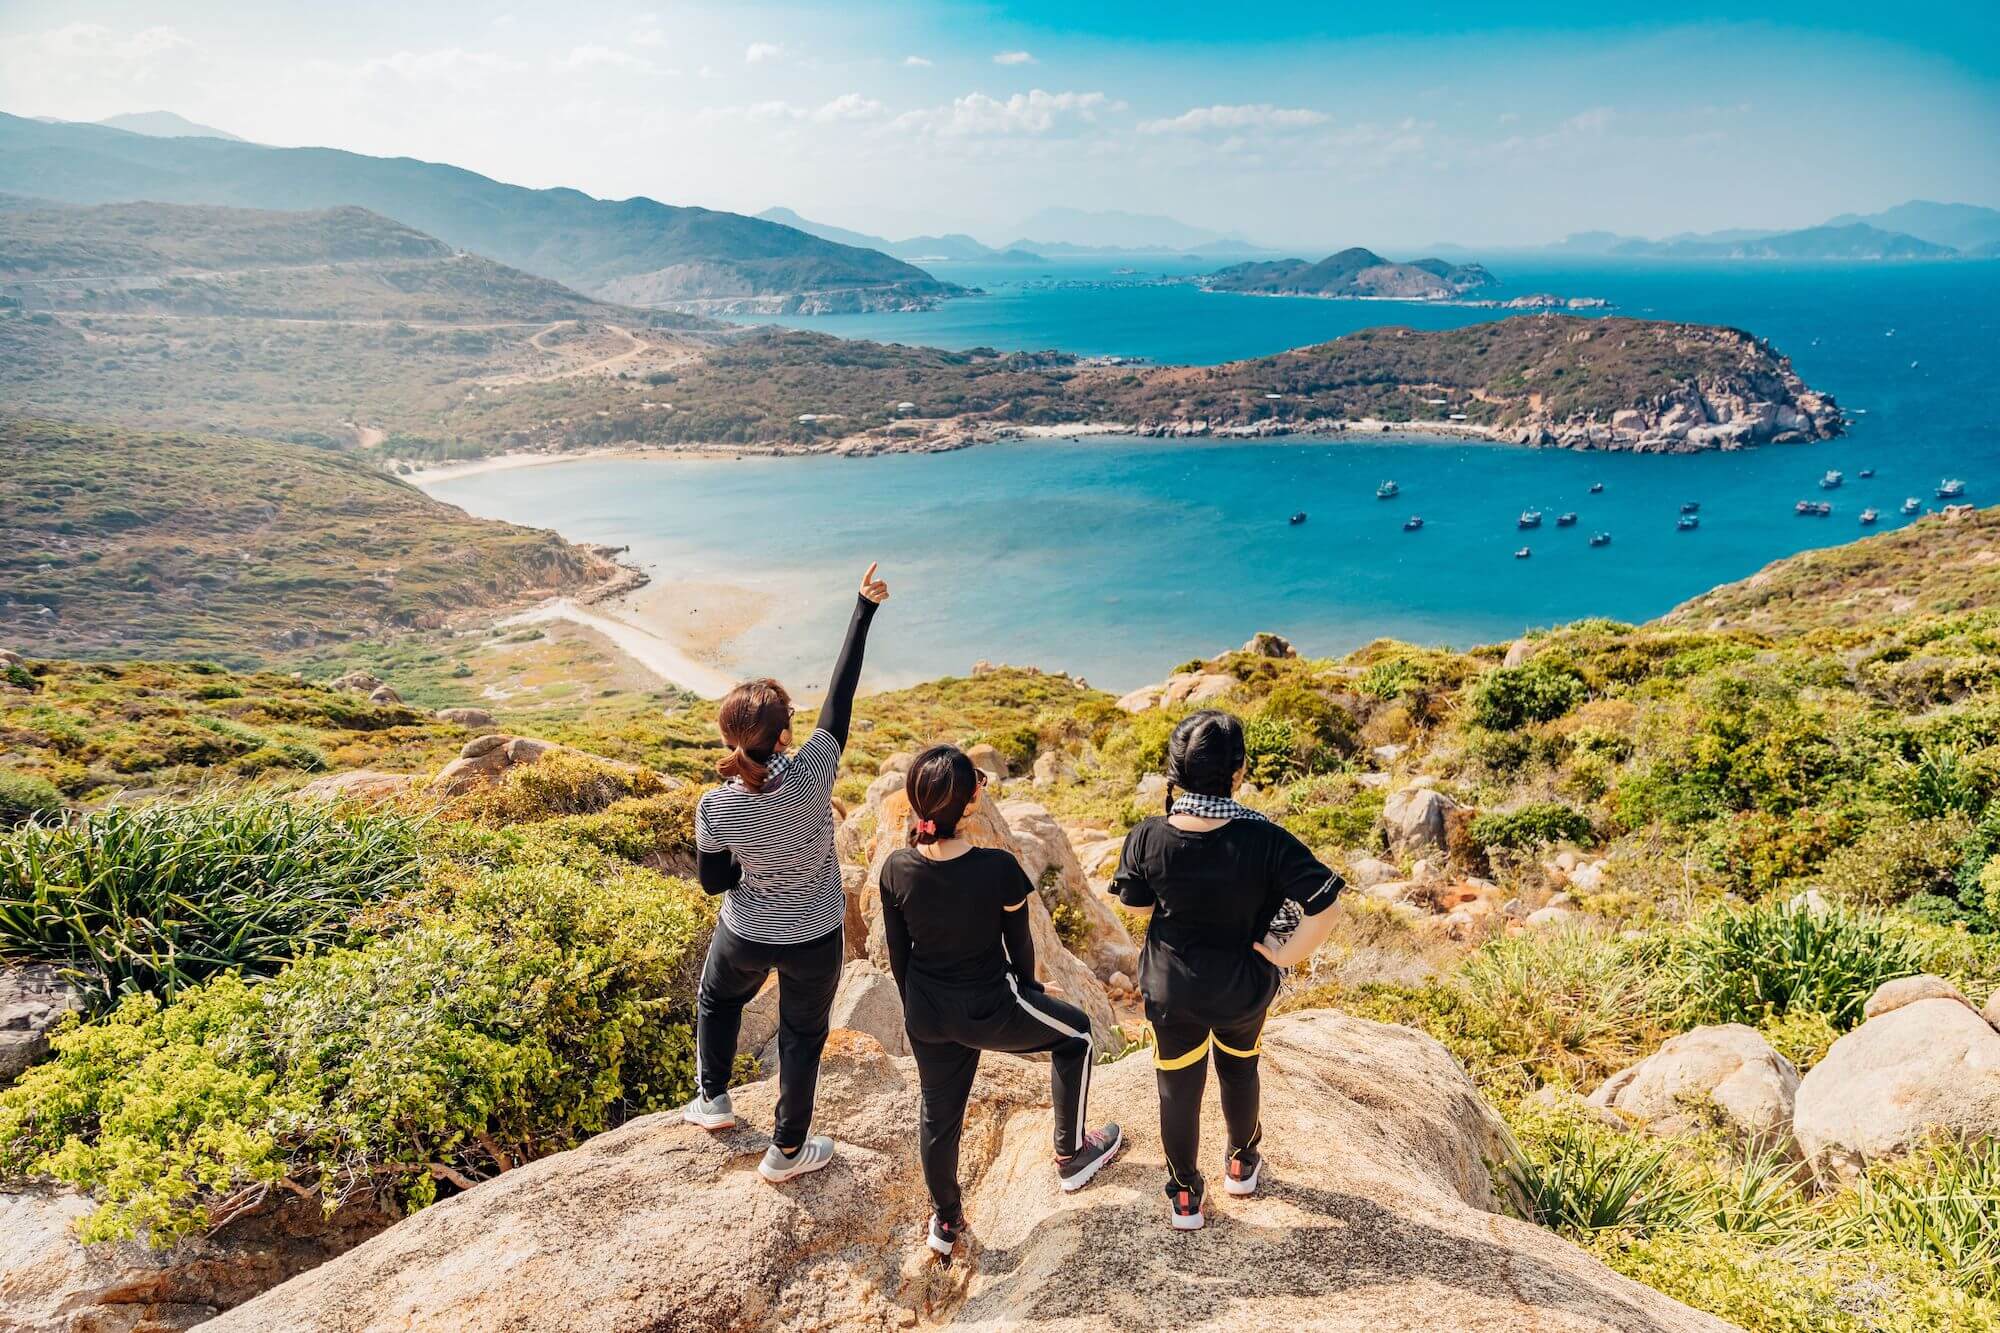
x,y
601,57
1013,58
758,52
1594,121
452,66
848,106
1033,112
95,49
648,32
1262,115
916,62
1509,117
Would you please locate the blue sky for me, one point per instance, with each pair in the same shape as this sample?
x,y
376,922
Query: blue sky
x,y
1307,126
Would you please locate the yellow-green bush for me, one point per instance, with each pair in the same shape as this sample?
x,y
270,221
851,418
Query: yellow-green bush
x,y
561,782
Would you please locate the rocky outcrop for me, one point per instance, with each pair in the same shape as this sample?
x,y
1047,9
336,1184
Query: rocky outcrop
x,y
1931,1067
1184,687
989,761
1052,865
361,784
51,1284
485,760
384,694
983,826
466,717
1893,995
1413,820
1728,1071
1378,1216
1266,644
362,682
34,1000
1053,768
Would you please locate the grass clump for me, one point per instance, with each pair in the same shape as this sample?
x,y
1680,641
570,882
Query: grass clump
x,y
1763,962
154,899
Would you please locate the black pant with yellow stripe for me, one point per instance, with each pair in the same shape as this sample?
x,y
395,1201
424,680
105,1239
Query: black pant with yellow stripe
x,y
1180,1056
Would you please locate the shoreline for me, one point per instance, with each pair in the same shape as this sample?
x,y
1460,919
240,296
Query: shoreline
x,y
644,647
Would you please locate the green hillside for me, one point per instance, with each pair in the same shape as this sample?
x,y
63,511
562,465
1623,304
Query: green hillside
x,y
116,543
562,234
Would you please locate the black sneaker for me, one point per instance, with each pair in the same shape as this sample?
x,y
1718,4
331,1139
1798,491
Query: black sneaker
x,y
1244,1168
944,1235
1096,1151
1184,1206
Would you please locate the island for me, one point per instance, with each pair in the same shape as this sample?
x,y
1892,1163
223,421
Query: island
x,y
1353,273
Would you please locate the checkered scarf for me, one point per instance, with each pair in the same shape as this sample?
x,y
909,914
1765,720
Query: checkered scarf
x,y
1222,807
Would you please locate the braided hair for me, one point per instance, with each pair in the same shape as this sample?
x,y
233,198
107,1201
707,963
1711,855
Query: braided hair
x,y
1203,754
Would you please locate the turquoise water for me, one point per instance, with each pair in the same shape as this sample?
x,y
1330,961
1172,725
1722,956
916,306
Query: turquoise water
x,y
1117,559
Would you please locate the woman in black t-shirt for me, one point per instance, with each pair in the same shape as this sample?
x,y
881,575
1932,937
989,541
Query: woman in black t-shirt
x,y
956,920
1214,875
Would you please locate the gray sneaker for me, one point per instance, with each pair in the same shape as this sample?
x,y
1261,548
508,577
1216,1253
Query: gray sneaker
x,y
813,1154
710,1113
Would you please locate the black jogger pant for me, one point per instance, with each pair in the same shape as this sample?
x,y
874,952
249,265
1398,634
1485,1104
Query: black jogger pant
x,y
808,975
1180,1060
949,1028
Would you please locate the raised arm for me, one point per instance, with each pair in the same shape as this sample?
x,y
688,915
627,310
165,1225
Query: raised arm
x,y
838,710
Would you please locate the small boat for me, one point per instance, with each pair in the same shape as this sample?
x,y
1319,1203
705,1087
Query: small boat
x,y
1950,490
1530,518
1298,518
1597,488
1866,474
1912,506
1523,553
1812,509
1690,506
1566,520
1600,539
1412,523
1831,481
1388,490
1868,517
1687,523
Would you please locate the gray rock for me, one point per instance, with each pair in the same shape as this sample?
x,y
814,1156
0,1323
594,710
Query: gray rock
x,y
1366,870
867,1002
1729,1067
466,717
1413,820
34,1000
384,694
1893,995
1266,644
1151,793
988,760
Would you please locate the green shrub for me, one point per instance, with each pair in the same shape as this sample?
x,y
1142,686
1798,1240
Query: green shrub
x,y
1579,1180
1271,751
1758,963
1571,1005
1897,859
1511,697
1018,745
23,797
156,898
1532,825
524,1010
561,782
1937,783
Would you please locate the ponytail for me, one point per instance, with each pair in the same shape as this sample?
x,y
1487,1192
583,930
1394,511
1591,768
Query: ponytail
x,y
940,783
753,719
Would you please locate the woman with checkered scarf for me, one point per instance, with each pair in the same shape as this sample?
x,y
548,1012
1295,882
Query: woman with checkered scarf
x,y
1234,899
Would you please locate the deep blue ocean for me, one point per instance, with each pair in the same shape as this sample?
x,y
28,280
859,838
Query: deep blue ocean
x,y
1117,559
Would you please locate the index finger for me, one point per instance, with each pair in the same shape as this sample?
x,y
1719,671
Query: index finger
x,y
869,577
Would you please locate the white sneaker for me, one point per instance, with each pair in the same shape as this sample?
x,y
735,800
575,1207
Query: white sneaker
x,y
711,1113
813,1154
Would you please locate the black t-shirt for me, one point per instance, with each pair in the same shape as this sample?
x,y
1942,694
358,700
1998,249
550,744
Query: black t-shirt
x,y
945,920
1213,895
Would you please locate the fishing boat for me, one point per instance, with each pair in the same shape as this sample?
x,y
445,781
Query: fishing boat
x,y
1597,488
1687,523
1868,517
1912,506
1412,523
1866,474
1388,490
1831,481
1530,518
1298,518
1690,506
1566,520
1523,553
1950,490
1600,539
1812,509
1822,510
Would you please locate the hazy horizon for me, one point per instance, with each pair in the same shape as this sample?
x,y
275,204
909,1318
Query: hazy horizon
x,y
1297,131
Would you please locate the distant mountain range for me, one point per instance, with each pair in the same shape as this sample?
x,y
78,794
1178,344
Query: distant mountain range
x,y
1353,272
637,251
167,125
1918,229
951,246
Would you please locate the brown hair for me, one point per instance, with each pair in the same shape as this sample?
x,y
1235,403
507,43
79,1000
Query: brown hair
x,y
752,717
941,782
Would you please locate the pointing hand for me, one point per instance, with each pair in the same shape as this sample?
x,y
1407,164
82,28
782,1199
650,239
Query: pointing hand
x,y
874,589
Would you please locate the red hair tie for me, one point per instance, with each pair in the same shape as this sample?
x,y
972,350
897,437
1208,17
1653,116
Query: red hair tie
x,y
928,826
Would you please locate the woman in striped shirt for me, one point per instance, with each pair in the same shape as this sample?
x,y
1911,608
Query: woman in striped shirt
x,y
764,840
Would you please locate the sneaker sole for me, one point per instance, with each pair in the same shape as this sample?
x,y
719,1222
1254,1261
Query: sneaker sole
x,y
1071,1184
938,1247
709,1121
1242,1187
1194,1223
780,1177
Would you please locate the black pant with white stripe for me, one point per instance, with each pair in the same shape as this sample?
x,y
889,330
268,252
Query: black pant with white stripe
x,y
948,1029
808,976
